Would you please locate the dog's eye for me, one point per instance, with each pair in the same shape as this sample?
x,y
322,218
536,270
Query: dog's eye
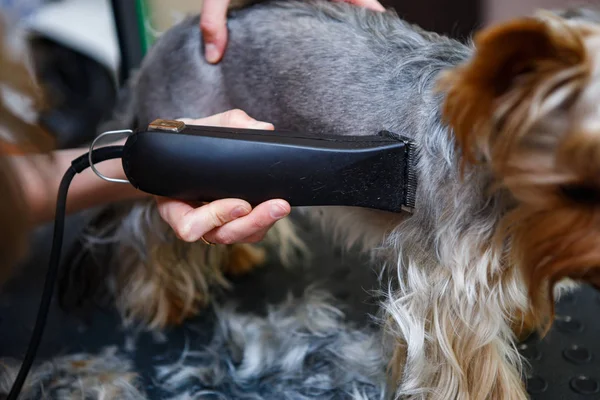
x,y
583,194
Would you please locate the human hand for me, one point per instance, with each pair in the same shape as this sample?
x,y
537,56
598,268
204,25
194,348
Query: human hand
x,y
214,28
225,221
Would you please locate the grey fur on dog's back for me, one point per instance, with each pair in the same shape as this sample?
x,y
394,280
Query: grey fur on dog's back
x,y
300,65
319,67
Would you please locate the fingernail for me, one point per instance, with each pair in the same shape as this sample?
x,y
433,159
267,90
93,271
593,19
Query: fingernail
x,y
211,53
239,211
278,211
261,125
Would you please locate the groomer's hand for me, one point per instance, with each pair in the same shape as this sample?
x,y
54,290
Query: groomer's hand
x,y
224,221
214,28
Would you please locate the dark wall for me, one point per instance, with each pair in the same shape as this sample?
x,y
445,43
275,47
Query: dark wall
x,y
457,18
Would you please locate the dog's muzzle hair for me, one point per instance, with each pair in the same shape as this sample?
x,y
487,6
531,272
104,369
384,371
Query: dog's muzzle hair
x,y
526,105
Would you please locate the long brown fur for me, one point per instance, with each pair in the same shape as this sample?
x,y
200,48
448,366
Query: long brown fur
x,y
523,105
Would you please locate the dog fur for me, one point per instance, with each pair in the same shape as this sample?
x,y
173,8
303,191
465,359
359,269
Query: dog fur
x,y
154,278
106,375
500,217
302,347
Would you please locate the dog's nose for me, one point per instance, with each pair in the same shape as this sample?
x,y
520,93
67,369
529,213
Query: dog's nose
x,y
582,193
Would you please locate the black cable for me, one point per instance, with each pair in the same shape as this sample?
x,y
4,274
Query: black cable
x,y
77,166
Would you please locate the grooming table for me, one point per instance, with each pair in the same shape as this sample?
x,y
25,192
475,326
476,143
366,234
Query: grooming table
x,y
565,363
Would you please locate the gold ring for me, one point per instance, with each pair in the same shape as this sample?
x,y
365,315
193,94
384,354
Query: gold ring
x,y
206,241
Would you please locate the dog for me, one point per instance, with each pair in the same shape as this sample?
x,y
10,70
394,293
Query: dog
x,y
506,212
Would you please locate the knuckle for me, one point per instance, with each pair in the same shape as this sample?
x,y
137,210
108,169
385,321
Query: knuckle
x,y
163,212
224,238
184,233
260,224
217,217
226,118
237,116
209,26
237,112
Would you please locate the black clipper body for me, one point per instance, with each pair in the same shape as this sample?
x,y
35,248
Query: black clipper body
x,y
201,163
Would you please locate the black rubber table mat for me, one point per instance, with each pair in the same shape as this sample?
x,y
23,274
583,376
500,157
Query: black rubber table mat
x,y
565,365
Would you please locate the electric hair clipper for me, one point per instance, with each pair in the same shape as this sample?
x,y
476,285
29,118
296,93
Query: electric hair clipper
x,y
202,163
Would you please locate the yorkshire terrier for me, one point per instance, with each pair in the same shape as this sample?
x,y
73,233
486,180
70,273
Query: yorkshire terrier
x,y
506,126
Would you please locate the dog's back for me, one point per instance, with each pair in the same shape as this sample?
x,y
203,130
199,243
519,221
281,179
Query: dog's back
x,y
312,66
318,67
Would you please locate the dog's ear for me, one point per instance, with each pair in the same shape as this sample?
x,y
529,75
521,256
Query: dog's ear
x,y
509,64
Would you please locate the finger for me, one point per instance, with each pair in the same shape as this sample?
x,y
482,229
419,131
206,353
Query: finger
x,y
172,211
252,227
257,237
190,224
213,24
371,4
231,119
240,119
260,220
